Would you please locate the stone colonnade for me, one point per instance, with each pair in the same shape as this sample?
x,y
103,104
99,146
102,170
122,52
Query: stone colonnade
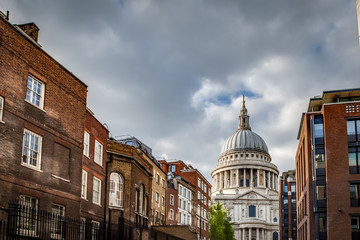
x,y
245,177
252,233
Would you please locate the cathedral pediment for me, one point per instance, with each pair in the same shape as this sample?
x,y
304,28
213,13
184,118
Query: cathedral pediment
x,y
252,195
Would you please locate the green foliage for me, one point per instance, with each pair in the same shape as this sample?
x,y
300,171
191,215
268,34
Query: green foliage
x,y
220,226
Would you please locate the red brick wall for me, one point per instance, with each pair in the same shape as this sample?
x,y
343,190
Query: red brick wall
x,y
96,131
337,171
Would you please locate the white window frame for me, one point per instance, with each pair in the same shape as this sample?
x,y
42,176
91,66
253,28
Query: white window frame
x,y
172,198
157,178
86,143
28,149
31,92
97,200
157,197
116,190
57,217
28,219
82,228
98,155
84,184
199,182
2,103
95,230
171,214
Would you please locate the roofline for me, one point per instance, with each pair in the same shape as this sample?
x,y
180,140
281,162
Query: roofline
x,y
13,26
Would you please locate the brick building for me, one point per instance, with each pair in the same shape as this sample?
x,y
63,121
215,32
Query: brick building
x,y
202,188
158,192
181,202
287,205
93,172
130,178
327,167
42,116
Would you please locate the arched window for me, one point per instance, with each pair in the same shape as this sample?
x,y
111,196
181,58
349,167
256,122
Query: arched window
x,y
116,191
275,219
275,236
252,211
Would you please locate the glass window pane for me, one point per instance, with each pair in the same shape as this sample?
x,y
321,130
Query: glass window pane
x,y
352,159
318,128
350,127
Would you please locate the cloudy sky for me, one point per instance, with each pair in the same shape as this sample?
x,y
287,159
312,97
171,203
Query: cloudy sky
x,y
172,73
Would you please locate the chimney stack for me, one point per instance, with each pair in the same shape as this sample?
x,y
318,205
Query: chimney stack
x,y
30,29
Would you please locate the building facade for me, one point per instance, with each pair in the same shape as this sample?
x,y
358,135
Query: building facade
x,y
245,181
202,196
287,205
93,173
129,189
180,201
158,192
327,167
42,116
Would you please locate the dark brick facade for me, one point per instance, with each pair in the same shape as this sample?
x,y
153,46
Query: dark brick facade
x,y
60,124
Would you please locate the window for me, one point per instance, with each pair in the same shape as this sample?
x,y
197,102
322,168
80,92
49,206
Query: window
x,y
35,92
86,143
275,219
57,221
1,108
84,184
82,229
116,190
31,150
27,221
205,189
157,178
355,227
95,230
172,168
252,211
163,201
171,214
353,131
199,195
293,187
157,197
96,191
163,183
320,192
354,194
180,190
156,217
199,182
98,153
171,200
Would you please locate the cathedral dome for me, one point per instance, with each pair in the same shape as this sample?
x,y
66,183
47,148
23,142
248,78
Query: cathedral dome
x,y
244,140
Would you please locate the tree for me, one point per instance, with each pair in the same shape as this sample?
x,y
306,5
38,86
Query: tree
x,y
220,226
